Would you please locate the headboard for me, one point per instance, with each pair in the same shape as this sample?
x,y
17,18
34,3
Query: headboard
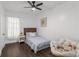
x,y
29,30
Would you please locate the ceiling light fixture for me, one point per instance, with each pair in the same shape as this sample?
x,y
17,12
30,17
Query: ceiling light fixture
x,y
33,9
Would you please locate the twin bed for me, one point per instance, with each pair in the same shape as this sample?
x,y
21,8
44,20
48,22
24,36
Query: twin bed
x,y
35,42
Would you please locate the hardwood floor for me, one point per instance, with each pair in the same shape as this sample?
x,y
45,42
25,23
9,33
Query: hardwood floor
x,y
23,50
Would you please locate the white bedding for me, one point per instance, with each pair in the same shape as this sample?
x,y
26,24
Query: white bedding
x,y
37,40
37,43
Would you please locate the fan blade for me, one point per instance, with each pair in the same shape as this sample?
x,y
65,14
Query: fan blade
x,y
38,8
27,7
30,3
39,4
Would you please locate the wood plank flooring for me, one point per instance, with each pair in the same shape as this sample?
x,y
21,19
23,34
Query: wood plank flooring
x,y
23,50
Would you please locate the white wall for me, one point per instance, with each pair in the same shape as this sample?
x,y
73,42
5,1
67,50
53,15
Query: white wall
x,y
2,20
63,21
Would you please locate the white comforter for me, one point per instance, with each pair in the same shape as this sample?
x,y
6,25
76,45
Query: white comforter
x,y
35,42
38,40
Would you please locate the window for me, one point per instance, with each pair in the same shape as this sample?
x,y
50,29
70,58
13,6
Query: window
x,y
13,27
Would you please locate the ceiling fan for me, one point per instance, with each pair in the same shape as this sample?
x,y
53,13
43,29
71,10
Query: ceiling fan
x,y
33,5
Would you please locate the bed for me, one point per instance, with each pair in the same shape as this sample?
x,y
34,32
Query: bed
x,y
36,43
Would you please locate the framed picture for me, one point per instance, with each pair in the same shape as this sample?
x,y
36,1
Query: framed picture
x,y
44,22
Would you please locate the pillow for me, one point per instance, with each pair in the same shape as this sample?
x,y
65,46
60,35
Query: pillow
x,y
27,34
31,34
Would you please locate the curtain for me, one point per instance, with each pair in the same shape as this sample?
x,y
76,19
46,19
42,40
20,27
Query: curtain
x,y
13,27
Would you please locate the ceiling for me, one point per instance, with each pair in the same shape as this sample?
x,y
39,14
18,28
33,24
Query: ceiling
x,y
18,6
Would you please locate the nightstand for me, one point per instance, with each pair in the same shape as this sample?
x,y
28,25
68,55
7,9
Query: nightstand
x,y
22,38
